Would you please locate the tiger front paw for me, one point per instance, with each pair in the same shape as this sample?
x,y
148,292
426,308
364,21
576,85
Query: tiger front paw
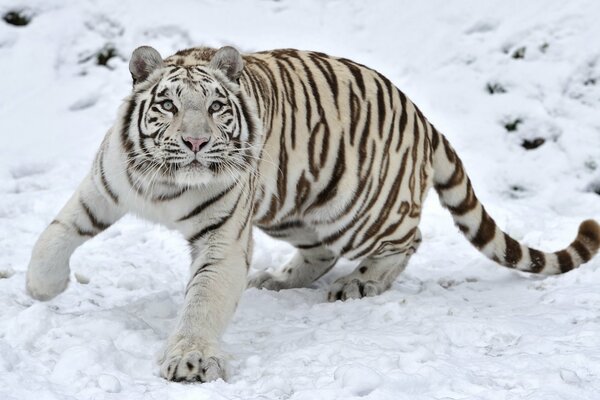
x,y
45,282
191,360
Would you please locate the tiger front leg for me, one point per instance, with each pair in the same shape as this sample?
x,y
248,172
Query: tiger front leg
x,y
218,278
86,214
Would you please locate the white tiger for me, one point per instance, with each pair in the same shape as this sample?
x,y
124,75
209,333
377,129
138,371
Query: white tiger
x,y
319,151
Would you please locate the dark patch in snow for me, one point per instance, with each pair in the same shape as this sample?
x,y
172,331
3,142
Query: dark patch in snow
x,y
594,187
17,18
102,56
517,191
6,273
105,54
513,124
528,144
591,165
495,87
519,53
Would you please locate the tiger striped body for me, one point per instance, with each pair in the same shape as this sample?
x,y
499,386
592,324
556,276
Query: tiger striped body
x,y
319,151
330,154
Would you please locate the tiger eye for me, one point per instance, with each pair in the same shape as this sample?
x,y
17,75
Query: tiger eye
x,y
216,106
168,105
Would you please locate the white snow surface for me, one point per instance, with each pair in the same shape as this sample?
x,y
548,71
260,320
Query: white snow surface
x,y
453,326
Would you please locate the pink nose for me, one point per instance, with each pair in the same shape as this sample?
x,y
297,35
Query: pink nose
x,y
195,144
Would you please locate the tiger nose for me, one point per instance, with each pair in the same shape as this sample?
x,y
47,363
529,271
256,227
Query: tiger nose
x,y
195,144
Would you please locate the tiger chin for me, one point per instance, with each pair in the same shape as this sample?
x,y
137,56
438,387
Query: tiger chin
x,y
319,151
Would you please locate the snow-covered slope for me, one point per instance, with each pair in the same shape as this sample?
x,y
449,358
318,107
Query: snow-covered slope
x,y
494,76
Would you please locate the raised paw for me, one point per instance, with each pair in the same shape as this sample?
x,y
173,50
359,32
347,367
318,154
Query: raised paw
x,y
44,282
266,280
191,365
344,289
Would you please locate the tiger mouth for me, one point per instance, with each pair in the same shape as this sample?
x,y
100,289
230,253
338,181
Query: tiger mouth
x,y
194,165
200,166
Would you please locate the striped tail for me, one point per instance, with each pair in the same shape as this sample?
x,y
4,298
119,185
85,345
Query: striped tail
x,y
457,195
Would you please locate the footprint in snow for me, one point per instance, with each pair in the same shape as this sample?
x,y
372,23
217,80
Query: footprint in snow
x,y
26,170
358,379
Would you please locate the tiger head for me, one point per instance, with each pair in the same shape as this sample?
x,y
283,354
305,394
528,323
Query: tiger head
x,y
189,124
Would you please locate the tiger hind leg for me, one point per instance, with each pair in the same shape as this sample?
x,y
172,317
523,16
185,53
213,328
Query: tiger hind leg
x,y
374,275
306,266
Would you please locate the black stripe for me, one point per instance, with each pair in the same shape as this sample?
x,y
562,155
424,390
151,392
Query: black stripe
x,y
356,73
104,181
455,179
330,190
288,84
198,209
192,285
582,251
283,226
403,118
82,232
565,261
468,204
238,116
512,252
209,229
163,92
254,89
220,93
170,196
126,123
245,223
381,109
199,270
323,65
248,119
350,242
486,231
96,223
216,225
538,260
354,110
311,82
141,113
308,246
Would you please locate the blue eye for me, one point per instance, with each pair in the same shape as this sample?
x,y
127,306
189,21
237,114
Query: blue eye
x,y
216,106
168,105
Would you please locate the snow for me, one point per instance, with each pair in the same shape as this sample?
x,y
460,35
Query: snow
x,y
454,325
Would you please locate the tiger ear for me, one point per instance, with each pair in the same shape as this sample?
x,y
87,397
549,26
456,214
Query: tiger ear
x,y
144,61
229,61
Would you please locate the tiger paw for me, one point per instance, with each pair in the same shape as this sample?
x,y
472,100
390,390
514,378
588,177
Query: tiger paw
x,y
266,280
345,289
43,282
189,360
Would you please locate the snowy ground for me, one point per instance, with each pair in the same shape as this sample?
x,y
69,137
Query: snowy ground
x,y
454,326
